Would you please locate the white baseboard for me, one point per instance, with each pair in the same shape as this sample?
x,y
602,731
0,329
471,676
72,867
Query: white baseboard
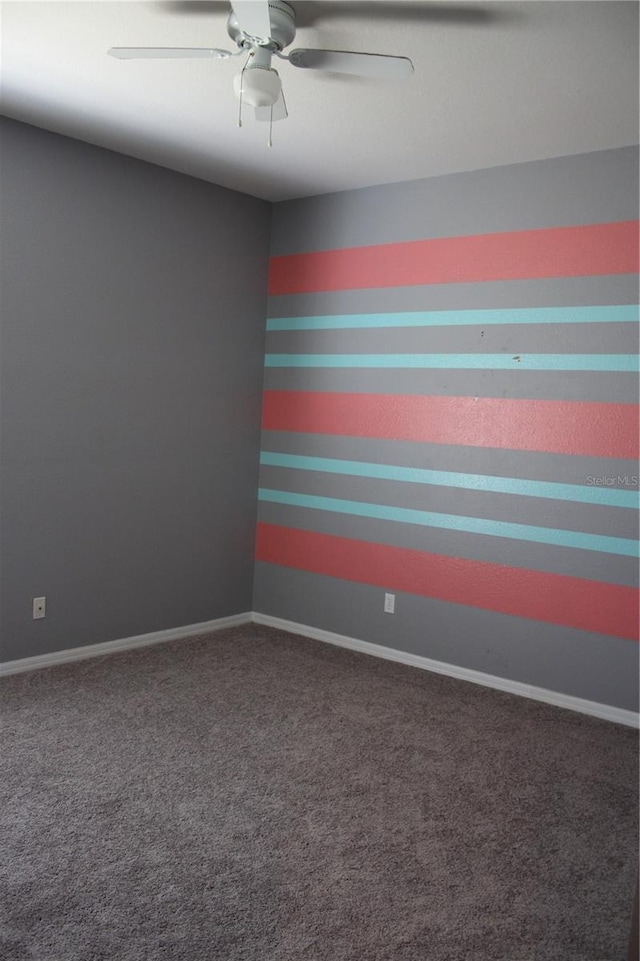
x,y
123,644
605,711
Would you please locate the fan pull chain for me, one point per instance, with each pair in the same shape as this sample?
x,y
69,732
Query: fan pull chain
x,y
240,106
242,89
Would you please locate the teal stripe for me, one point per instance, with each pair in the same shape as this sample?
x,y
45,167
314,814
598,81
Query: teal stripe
x,y
560,362
473,525
447,318
482,482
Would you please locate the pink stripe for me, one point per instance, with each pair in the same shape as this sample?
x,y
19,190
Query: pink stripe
x,y
554,252
561,427
556,598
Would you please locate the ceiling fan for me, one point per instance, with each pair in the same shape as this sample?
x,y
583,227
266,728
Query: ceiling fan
x,y
261,29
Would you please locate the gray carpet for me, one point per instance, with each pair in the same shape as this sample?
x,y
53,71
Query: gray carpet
x,y
253,796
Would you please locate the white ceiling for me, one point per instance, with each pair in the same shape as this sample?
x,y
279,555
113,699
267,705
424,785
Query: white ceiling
x,y
494,83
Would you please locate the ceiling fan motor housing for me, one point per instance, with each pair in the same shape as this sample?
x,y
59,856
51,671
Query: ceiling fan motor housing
x,y
282,19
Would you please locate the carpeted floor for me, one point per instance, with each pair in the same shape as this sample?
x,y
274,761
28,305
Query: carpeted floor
x,y
254,796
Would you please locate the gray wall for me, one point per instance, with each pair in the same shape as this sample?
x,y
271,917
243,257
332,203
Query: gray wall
x,y
321,502
133,303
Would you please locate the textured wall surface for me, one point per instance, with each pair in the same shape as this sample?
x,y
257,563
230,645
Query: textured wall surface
x,y
450,413
133,303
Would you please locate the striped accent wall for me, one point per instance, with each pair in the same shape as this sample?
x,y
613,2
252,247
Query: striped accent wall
x,y
455,419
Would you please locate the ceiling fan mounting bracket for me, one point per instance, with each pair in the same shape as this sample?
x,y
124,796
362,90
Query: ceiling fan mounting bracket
x,y
283,28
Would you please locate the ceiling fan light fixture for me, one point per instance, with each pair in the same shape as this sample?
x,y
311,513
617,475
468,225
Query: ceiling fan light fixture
x,y
259,86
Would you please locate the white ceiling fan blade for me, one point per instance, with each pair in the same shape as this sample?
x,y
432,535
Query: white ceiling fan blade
x,y
359,64
279,111
168,53
253,17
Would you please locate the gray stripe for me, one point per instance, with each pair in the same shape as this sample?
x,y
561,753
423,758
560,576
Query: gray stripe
x,y
607,568
525,196
579,663
546,292
596,386
514,508
561,468
618,338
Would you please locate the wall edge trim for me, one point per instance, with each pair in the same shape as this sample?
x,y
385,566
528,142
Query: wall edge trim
x,y
121,644
581,705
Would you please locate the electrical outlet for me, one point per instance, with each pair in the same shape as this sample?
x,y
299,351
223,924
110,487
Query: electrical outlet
x,y
389,603
39,607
